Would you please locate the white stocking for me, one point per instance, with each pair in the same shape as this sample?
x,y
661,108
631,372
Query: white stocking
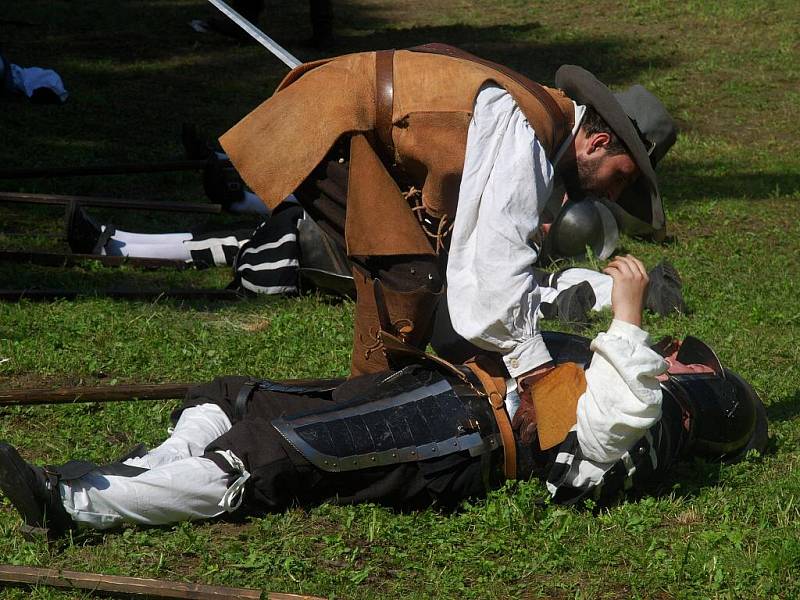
x,y
192,488
196,428
173,251
158,239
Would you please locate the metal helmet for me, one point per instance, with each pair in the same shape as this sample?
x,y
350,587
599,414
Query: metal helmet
x,y
725,417
578,225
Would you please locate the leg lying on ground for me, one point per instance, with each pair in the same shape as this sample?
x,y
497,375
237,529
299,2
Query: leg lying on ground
x,y
176,481
187,489
196,428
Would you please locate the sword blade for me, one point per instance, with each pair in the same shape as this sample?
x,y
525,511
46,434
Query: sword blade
x,y
262,38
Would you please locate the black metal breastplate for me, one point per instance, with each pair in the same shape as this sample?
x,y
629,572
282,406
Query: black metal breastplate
x,y
411,415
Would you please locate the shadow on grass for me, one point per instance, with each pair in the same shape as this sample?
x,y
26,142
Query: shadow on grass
x,y
784,409
124,104
614,60
685,181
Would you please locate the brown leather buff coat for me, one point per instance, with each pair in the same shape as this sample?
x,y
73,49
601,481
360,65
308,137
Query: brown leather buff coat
x,y
276,146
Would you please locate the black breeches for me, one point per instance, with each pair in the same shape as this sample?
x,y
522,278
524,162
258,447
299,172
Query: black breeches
x,y
281,477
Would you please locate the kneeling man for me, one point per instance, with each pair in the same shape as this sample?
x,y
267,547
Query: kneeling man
x,y
607,416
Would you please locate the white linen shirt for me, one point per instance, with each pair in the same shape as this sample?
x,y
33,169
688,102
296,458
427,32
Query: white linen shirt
x,y
621,403
507,180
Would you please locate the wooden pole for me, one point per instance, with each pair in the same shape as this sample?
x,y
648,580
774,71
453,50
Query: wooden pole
x,y
55,259
121,169
120,393
178,294
135,587
103,393
163,205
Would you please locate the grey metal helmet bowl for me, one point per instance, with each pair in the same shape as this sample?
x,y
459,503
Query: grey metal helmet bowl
x,y
578,225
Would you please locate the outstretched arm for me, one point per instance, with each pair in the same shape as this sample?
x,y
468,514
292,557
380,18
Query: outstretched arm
x,y
623,397
630,286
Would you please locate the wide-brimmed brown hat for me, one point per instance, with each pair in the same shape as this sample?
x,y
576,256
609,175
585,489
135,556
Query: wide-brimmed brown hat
x,y
646,129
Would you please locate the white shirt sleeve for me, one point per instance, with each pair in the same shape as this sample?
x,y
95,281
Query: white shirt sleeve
x,y
623,397
492,294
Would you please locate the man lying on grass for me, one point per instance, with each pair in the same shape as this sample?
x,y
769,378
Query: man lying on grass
x,y
606,417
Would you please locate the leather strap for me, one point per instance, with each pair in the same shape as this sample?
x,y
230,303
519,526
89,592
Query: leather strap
x,y
556,115
401,353
495,386
242,398
384,102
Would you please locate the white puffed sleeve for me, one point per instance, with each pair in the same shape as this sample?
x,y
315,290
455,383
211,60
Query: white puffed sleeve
x,y
623,396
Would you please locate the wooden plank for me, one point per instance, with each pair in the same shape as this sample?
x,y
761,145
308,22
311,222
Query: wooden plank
x,y
136,587
55,259
124,203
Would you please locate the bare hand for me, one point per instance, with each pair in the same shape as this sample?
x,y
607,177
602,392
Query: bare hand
x,y
630,286
524,421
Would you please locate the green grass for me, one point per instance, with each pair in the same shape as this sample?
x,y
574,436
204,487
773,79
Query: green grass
x,y
727,70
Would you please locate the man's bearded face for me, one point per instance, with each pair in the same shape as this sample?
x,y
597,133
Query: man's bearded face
x,y
604,175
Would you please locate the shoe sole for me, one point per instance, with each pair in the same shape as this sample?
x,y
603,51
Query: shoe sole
x,y
14,481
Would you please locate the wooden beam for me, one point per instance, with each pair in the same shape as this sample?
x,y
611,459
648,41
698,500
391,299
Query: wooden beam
x,y
125,203
133,587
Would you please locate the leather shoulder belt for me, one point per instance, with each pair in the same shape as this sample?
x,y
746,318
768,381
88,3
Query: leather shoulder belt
x,y
556,114
384,102
495,386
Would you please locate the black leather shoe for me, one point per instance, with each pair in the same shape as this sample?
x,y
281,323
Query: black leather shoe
x,y
221,181
84,234
572,307
664,292
34,493
195,147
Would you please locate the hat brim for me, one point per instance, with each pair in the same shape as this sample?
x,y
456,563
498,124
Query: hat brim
x,y
584,88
